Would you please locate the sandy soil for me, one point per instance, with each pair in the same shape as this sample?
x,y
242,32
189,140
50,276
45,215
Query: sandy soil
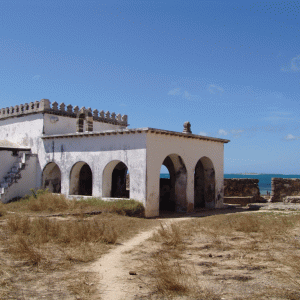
x,y
114,267
225,268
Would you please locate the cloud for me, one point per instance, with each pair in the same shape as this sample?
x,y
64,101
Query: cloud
x,y
278,116
203,133
236,132
222,132
293,66
217,90
174,92
295,63
185,94
233,132
36,77
189,96
291,137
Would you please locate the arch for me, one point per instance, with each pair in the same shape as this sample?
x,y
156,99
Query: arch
x,y
204,184
116,182
172,191
81,179
51,178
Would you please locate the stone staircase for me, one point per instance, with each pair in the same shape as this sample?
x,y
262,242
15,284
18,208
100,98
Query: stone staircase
x,y
13,175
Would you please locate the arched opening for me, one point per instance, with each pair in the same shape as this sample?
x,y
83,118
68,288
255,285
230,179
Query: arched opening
x,y
204,184
172,190
51,178
116,180
81,179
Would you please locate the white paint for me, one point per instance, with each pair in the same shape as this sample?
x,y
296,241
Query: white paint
x,y
142,152
190,150
64,125
25,183
7,160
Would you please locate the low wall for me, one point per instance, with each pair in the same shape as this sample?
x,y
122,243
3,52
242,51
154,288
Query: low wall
x,y
241,191
283,187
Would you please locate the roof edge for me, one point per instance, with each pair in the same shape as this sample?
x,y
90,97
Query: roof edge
x,y
133,131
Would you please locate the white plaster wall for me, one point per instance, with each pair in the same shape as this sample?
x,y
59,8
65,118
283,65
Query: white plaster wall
x,y
24,131
25,183
97,152
6,162
54,124
191,150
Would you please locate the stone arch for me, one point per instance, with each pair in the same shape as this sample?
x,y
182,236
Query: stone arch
x,y
81,179
84,117
204,184
172,191
51,178
116,182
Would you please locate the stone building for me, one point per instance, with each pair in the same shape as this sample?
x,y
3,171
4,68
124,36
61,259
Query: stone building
x,y
90,153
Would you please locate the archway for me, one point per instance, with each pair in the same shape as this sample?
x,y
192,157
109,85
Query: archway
x,y
204,184
172,190
116,180
81,179
51,178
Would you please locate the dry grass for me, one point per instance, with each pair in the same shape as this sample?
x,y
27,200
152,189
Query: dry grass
x,y
36,250
43,202
256,254
169,235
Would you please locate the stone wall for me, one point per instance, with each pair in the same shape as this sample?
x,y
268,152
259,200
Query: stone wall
x,y
282,187
241,191
63,110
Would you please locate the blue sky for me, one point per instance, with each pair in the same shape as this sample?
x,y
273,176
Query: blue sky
x,y
231,68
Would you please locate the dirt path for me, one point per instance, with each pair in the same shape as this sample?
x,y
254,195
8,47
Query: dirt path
x,y
115,281
114,276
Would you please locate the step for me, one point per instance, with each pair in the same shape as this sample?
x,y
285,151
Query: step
x,y
4,185
15,170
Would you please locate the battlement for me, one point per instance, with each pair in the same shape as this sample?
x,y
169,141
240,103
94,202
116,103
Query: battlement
x,y
44,106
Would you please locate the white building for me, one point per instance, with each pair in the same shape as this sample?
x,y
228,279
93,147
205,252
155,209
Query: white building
x,y
83,152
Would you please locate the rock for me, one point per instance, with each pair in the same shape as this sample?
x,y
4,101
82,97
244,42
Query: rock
x,y
253,207
132,273
291,199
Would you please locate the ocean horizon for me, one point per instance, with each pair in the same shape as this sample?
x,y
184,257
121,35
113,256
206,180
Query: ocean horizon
x,y
264,179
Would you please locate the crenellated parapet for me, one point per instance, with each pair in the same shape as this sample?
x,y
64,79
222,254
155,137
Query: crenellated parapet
x,y
45,106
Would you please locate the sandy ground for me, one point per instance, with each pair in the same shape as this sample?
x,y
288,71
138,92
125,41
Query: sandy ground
x,y
113,268
116,283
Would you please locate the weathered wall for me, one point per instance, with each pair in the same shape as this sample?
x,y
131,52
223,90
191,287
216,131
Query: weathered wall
x,y
26,181
159,146
101,153
241,187
6,162
282,187
24,131
54,124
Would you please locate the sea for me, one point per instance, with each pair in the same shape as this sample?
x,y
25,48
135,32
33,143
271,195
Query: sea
x,y
264,179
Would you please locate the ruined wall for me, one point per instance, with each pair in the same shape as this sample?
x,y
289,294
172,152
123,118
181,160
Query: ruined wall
x,y
282,187
7,161
159,146
236,189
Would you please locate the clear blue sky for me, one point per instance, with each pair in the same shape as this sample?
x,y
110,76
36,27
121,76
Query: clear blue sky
x,y
231,68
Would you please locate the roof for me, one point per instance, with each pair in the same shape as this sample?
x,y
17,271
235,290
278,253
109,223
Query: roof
x,y
133,131
7,145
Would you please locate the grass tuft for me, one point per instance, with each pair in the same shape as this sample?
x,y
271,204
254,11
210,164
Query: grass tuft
x,y
42,201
